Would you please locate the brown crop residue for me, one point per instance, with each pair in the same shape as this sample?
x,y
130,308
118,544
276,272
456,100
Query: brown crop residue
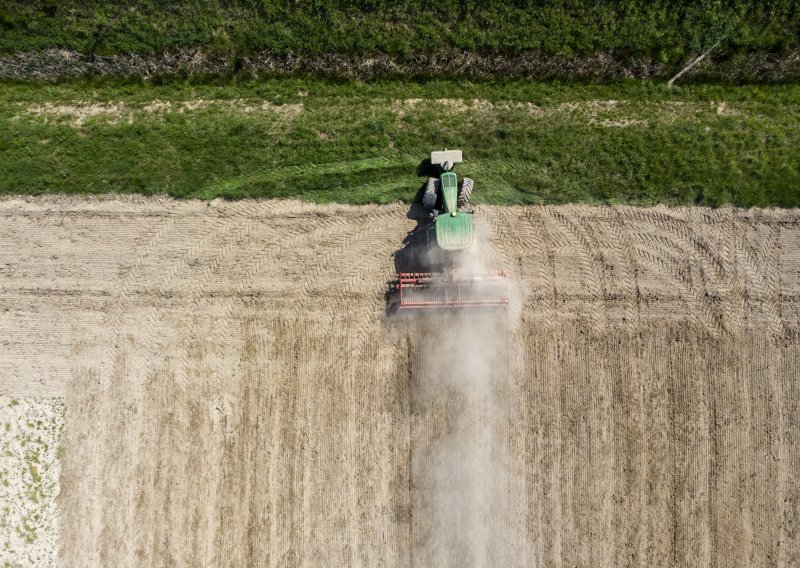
x,y
79,112
608,113
236,395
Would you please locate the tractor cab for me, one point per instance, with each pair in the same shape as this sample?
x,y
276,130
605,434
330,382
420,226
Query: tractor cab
x,y
454,231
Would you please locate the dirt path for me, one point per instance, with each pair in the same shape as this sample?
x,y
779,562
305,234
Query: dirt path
x,y
235,395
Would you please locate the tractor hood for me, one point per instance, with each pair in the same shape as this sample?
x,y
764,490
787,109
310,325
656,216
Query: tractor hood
x,y
449,191
455,232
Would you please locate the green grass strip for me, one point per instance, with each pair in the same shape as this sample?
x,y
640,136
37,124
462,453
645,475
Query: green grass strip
x,y
523,142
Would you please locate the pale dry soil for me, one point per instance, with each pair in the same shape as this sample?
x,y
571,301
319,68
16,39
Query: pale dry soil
x,y
236,396
608,113
30,445
79,112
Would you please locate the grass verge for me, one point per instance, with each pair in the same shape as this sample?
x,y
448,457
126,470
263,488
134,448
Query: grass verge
x,y
351,142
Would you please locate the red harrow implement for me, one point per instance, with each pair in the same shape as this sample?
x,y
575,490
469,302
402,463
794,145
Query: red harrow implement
x,y
426,290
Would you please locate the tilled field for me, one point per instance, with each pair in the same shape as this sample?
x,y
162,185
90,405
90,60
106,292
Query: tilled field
x,y
236,395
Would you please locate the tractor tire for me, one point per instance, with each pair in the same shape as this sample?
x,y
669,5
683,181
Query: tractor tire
x,y
431,193
465,192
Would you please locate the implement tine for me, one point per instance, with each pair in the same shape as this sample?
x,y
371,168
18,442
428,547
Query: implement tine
x,y
429,291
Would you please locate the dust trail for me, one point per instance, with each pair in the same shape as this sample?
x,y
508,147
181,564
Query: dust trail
x,y
468,505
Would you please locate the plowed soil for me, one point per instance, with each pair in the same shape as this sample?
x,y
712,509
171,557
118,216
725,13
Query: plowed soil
x,y
236,394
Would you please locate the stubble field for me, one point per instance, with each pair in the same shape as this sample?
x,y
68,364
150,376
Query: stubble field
x,y
236,395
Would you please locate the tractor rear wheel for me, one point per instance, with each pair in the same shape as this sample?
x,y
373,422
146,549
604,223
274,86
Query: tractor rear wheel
x,y
466,192
431,193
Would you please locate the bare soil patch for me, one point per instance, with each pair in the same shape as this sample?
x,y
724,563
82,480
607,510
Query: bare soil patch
x,y
236,396
30,445
608,113
78,112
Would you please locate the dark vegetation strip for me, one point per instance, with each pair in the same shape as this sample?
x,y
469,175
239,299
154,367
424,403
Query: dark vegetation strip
x,y
352,142
541,38
56,65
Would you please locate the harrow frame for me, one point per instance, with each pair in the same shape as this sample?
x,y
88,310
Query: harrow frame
x,y
455,293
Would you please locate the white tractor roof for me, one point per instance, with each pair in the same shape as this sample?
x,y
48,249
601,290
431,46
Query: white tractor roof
x,y
452,156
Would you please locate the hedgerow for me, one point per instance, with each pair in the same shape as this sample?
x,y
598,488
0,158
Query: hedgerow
x,y
665,30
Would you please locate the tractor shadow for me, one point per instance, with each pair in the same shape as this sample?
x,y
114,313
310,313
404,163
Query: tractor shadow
x,y
411,256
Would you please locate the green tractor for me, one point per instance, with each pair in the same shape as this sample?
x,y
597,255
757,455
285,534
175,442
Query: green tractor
x,y
451,228
450,235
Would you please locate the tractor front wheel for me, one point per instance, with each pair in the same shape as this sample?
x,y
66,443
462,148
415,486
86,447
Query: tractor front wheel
x,y
466,191
431,193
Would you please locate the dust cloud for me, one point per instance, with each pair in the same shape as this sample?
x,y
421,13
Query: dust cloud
x,y
466,483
